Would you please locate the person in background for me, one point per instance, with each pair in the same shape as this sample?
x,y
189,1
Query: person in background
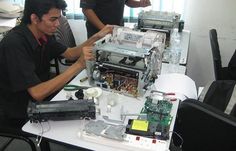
x,y
102,12
25,55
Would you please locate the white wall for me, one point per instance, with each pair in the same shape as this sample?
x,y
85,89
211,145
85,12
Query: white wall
x,y
200,17
79,30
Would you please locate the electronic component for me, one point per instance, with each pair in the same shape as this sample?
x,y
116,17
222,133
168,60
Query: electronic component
x,y
160,21
128,142
79,94
139,143
157,122
127,61
61,110
141,128
83,79
158,113
100,128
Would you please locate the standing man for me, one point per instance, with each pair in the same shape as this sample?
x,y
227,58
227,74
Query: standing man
x,y
102,12
25,55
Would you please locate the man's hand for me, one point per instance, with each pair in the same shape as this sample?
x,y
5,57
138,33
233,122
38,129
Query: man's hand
x,y
144,3
86,55
104,31
87,49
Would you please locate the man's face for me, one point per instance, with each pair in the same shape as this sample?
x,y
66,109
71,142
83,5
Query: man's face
x,y
49,22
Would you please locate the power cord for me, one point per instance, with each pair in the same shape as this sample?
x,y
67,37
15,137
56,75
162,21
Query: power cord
x,y
40,135
82,126
177,148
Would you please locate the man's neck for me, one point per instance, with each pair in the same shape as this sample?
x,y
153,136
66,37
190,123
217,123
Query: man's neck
x,y
37,34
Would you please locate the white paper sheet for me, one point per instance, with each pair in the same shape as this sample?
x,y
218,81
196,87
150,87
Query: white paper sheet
x,y
183,86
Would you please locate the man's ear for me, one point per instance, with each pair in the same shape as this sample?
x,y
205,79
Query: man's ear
x,y
34,19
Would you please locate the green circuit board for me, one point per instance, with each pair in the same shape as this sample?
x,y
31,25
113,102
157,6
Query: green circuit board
x,y
158,111
158,114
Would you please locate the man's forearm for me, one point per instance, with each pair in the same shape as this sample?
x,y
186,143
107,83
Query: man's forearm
x,y
138,3
44,89
74,53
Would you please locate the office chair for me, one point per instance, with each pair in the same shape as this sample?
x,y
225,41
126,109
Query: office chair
x,y
219,94
64,33
12,135
204,128
232,66
221,73
65,36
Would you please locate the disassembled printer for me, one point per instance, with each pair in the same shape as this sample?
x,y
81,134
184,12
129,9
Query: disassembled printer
x,y
61,110
127,61
157,20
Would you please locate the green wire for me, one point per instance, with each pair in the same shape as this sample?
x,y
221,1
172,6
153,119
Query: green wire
x,y
71,87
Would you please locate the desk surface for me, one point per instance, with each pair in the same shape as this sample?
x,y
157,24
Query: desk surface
x,y
67,131
167,68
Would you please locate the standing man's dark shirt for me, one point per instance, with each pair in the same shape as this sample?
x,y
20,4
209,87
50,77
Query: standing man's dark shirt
x,y
108,11
25,62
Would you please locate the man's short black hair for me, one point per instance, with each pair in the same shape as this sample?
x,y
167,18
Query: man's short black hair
x,y
40,7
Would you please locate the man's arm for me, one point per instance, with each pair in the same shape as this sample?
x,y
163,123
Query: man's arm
x,y
44,89
73,53
93,18
140,3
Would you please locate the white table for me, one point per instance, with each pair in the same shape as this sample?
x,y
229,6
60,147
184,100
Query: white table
x,y
67,131
167,68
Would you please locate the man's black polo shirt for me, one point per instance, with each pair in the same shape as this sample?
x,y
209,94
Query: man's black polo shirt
x,y
108,11
24,63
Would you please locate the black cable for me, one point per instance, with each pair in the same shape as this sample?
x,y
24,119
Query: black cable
x,y
182,140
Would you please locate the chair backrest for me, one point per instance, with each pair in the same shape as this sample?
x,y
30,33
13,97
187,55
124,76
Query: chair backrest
x,y
65,36
215,53
203,127
12,137
64,33
220,94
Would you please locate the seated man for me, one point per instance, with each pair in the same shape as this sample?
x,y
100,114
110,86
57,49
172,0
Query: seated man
x,y
25,55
